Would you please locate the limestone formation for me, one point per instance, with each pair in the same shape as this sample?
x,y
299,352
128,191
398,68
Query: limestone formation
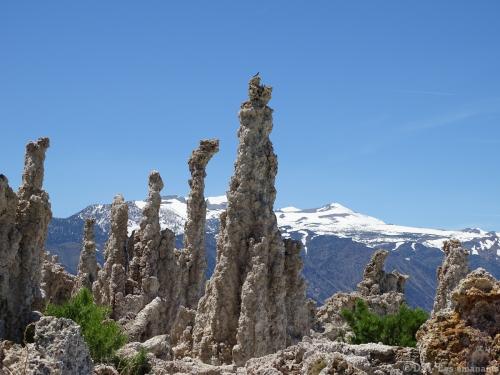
x,y
109,288
153,274
194,231
299,318
465,337
145,263
376,281
57,284
243,313
383,292
454,269
57,347
24,219
87,266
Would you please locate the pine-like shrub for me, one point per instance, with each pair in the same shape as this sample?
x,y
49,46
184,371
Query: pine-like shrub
x,y
102,335
394,329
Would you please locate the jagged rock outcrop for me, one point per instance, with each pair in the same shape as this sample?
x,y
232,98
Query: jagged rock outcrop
x,y
243,313
109,289
24,219
376,281
299,318
455,268
87,266
193,254
383,292
57,347
465,337
144,278
57,284
151,302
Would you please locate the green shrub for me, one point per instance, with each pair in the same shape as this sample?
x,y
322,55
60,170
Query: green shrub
x,y
394,329
137,365
102,335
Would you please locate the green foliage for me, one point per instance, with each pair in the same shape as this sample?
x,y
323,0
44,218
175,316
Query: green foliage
x,y
137,365
102,335
393,329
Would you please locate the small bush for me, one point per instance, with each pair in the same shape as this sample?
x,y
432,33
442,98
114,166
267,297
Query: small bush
x,y
137,365
393,329
102,335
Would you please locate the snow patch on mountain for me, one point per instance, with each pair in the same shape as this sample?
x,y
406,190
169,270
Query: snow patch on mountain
x,y
331,219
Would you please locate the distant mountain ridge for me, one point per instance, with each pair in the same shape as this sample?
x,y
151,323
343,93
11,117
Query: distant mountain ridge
x,y
337,241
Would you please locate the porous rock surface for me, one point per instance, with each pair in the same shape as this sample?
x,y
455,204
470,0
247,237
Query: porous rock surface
x,y
309,356
455,267
193,258
466,337
57,348
57,284
314,356
24,218
87,266
243,313
383,292
109,288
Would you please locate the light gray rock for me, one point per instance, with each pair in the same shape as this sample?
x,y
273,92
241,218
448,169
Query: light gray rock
x,y
58,348
109,288
87,266
193,254
159,346
315,356
243,313
57,284
24,220
455,267
376,281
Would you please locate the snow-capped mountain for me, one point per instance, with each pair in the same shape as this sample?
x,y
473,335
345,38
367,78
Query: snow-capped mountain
x,y
337,242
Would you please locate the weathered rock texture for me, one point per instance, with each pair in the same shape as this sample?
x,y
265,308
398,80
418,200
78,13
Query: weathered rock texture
x,y
87,266
109,288
57,347
24,219
466,337
153,274
193,255
57,284
315,356
376,281
455,268
383,292
243,313
146,261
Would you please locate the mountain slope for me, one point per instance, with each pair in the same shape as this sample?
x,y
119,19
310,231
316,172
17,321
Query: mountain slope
x,y
338,242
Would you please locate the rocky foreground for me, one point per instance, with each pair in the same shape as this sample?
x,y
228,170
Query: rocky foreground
x,y
252,316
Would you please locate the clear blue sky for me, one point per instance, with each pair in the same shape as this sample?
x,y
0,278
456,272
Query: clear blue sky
x,y
391,108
